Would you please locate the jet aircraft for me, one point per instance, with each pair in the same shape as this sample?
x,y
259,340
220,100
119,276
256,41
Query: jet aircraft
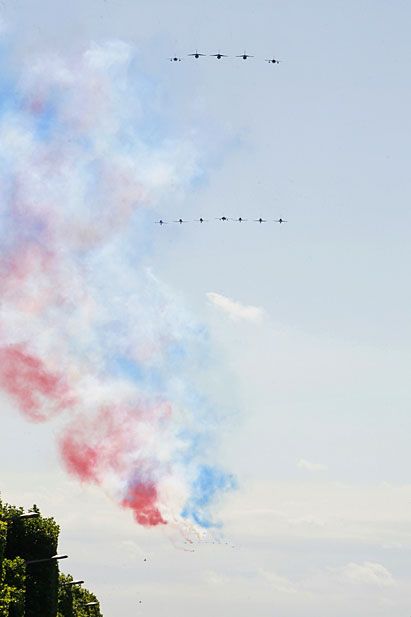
x,y
218,56
196,55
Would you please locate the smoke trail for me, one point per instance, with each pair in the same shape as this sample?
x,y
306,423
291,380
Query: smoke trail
x,y
86,330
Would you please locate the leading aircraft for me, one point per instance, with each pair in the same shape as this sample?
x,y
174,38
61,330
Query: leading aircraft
x,y
279,221
272,61
175,59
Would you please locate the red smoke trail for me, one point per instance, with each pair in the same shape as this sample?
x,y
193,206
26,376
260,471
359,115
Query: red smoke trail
x,y
15,270
110,442
39,392
92,446
142,498
80,459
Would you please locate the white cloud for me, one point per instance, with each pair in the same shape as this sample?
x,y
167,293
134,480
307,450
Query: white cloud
x,y
236,310
308,466
279,583
215,578
368,573
321,511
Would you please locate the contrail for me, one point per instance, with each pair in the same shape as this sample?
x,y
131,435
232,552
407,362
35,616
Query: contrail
x,y
87,332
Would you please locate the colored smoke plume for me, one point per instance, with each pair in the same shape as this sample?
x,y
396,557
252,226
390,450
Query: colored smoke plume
x,y
86,329
142,499
36,390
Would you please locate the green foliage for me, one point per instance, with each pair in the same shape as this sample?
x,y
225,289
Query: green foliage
x,y
12,575
65,600
32,539
35,590
3,591
3,536
12,588
82,597
72,600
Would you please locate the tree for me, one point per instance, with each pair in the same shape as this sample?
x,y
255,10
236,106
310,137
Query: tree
x,y
29,539
3,536
72,600
35,590
12,580
12,588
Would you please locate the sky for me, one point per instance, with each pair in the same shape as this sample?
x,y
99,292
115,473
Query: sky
x,y
297,336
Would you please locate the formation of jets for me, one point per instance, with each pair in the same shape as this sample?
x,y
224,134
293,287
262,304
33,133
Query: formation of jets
x,y
219,56
221,218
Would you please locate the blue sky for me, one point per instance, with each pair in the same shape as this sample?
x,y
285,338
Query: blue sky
x,y
320,383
